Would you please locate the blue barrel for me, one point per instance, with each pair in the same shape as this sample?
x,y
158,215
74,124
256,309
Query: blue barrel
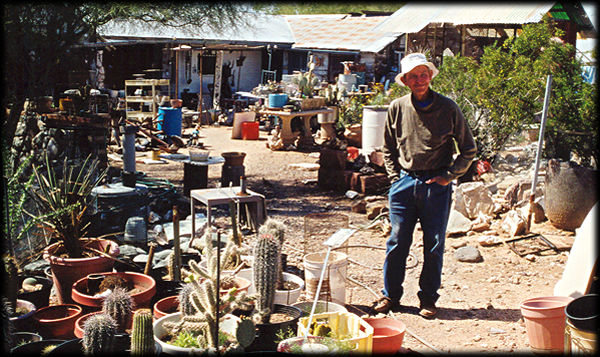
x,y
277,100
169,120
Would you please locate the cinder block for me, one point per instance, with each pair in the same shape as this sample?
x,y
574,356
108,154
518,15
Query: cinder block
x,y
376,183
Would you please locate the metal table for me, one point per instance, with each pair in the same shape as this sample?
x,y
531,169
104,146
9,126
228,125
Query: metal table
x,y
195,173
224,195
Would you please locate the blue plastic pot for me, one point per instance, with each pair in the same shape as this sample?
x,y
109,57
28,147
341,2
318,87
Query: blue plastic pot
x,y
277,100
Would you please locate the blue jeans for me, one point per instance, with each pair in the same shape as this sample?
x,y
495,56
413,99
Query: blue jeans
x,y
411,199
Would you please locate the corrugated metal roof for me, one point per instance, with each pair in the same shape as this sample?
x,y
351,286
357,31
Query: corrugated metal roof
x,y
263,28
338,32
413,17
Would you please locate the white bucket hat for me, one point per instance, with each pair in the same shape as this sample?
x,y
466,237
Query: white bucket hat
x,y
413,60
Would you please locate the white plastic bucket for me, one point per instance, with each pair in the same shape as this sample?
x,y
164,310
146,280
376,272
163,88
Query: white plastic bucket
x,y
333,287
238,119
373,128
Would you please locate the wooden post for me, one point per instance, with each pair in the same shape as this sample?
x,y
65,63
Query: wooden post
x,y
199,108
176,96
176,246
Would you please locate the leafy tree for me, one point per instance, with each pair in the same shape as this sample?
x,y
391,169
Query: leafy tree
x,y
40,38
504,92
296,8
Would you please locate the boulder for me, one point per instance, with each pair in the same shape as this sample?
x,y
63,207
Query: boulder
x,y
513,223
468,254
457,223
472,199
571,192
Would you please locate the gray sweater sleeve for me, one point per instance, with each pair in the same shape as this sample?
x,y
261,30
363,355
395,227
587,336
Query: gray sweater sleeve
x,y
466,146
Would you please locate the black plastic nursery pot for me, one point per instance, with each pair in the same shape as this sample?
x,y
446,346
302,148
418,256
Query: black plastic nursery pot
x,y
266,337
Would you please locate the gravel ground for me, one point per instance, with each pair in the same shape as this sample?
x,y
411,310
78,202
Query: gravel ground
x,y
479,303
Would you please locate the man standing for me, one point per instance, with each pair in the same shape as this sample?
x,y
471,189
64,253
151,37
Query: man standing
x,y
421,132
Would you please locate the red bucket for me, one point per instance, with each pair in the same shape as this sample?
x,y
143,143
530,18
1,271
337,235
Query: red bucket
x,y
250,130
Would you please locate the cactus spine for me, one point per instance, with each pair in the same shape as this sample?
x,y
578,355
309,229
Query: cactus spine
x,y
267,259
198,300
118,305
276,229
142,336
99,334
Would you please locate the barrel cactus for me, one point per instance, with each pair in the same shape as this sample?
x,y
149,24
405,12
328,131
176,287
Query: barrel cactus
x,y
267,259
142,336
99,334
119,305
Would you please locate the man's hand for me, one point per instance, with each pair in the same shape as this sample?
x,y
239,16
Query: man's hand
x,y
439,179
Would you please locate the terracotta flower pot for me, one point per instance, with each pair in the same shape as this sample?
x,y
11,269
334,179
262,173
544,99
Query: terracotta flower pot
x,y
144,284
165,306
234,158
78,329
388,334
80,322
545,322
66,271
57,321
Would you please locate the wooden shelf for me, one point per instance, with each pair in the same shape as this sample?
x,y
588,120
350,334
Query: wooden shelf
x,y
155,89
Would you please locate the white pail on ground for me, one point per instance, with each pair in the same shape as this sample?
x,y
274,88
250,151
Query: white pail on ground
x,y
333,287
373,128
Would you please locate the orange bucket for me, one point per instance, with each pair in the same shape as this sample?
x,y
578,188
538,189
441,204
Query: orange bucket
x,y
250,130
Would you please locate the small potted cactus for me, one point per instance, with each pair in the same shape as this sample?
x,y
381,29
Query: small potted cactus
x,y
118,305
142,336
99,334
270,318
195,326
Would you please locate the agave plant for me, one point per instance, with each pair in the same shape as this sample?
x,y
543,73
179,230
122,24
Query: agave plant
x,y
62,201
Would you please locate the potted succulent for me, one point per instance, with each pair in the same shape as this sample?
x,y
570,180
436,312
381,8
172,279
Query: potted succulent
x,y
270,318
63,201
140,287
119,305
307,82
194,328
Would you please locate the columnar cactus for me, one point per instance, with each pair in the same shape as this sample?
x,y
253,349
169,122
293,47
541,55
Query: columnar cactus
x,y
118,305
198,300
142,336
99,334
267,259
185,300
276,229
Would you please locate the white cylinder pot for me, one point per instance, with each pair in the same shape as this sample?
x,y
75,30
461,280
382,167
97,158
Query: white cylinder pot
x,y
373,128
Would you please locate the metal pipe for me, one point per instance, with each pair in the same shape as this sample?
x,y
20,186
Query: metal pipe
x,y
538,154
129,148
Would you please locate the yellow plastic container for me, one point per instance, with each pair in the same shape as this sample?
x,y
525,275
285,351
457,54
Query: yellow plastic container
x,y
353,328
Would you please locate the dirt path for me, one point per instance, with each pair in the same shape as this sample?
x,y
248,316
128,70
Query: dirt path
x,y
479,303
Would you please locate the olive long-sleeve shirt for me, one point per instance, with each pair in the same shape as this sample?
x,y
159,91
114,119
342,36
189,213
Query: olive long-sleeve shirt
x,y
422,139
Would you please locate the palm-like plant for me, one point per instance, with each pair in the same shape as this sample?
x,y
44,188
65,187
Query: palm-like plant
x,y
63,201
